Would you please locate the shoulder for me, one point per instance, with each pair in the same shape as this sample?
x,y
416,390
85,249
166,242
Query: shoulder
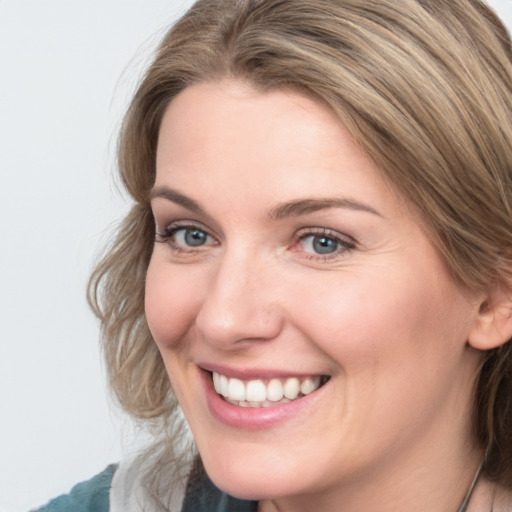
x,y
89,496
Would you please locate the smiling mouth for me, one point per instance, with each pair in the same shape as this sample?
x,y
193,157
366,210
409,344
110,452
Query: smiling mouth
x,y
265,393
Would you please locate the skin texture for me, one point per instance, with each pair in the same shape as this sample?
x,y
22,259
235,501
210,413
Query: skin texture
x,y
380,315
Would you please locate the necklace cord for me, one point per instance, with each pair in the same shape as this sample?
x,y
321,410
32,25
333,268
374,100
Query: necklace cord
x,y
467,497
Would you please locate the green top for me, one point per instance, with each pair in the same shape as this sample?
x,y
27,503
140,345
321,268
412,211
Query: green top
x,y
94,496
90,496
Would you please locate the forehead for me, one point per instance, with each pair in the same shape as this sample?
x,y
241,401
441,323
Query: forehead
x,y
229,111
279,144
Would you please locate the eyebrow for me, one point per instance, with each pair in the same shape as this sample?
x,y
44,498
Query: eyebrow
x,y
305,206
176,197
293,208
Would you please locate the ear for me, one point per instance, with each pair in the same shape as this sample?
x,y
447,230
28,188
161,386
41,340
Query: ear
x,y
493,325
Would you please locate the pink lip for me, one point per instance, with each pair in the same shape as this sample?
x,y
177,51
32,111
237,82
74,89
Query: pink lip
x,y
248,418
250,373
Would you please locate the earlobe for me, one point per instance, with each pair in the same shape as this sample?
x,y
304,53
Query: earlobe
x,y
493,325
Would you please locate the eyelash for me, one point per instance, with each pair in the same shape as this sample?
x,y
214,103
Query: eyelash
x,y
345,244
167,237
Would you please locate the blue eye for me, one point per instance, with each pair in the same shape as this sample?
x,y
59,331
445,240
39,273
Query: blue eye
x,y
191,237
185,238
320,244
324,244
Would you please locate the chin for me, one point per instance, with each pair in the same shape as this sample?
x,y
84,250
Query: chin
x,y
252,472
256,483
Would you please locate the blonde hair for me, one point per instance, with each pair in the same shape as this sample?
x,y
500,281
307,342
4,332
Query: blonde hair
x,y
425,87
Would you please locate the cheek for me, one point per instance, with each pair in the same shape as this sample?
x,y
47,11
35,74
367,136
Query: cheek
x,y
381,333
171,304
404,318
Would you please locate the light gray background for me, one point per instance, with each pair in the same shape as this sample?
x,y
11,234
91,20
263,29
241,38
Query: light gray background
x,y
67,70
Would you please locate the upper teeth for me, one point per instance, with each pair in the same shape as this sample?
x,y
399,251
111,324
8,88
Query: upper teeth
x,y
274,390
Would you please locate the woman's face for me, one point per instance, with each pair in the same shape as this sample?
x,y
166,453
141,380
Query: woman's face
x,y
284,262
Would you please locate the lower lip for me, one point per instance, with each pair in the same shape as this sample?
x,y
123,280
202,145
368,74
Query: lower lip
x,y
253,418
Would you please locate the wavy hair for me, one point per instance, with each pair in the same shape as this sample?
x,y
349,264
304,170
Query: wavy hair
x,y
424,86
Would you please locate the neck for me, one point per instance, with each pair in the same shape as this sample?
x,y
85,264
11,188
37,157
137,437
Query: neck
x,y
440,483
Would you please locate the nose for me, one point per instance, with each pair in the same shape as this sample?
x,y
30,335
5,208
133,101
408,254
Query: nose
x,y
241,302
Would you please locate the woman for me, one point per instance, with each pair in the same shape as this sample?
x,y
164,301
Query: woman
x,y
317,263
